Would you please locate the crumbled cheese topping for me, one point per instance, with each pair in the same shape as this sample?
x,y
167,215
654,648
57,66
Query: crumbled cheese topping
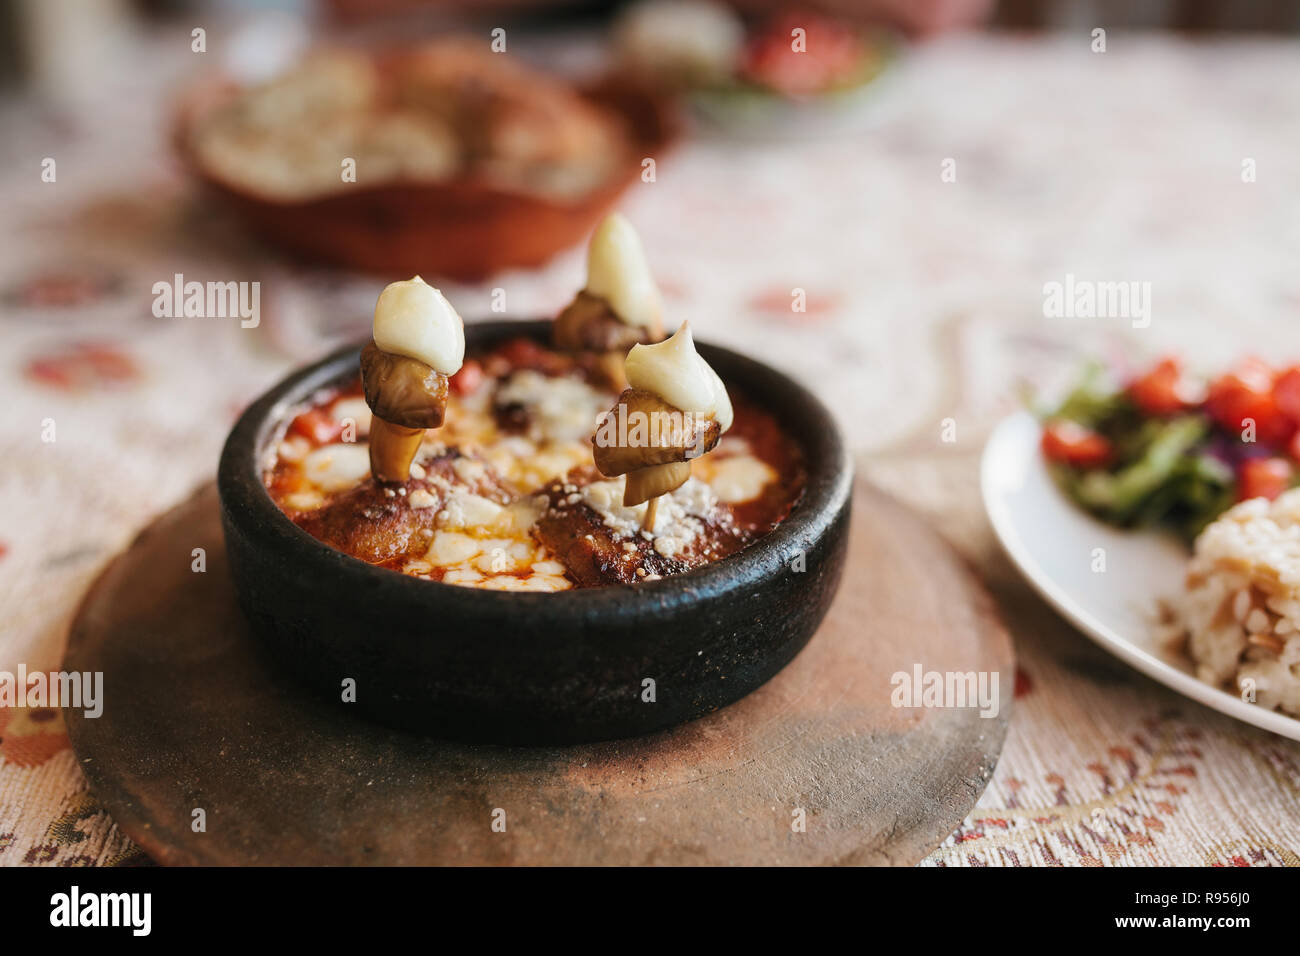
x,y
469,470
561,409
679,518
419,498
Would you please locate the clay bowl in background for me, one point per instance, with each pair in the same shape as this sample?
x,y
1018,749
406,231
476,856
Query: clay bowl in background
x,y
466,228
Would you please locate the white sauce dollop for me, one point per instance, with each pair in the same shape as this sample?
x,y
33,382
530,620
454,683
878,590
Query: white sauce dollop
x,y
617,272
674,371
413,319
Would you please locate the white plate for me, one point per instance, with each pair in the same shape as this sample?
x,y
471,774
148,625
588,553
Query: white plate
x,y
1053,543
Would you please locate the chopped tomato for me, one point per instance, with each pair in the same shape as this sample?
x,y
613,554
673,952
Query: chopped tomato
x,y
825,54
83,365
1286,392
1074,444
283,481
468,379
1263,478
1246,395
1165,390
525,353
317,426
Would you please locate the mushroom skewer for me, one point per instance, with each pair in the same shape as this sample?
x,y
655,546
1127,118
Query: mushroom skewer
x,y
619,308
406,396
418,341
675,410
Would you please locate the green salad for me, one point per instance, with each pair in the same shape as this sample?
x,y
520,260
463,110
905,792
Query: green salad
x,y
1171,451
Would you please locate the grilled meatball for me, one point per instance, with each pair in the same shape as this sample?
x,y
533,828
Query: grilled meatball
x,y
375,521
595,553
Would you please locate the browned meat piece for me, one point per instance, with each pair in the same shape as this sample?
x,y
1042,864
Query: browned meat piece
x,y
375,521
402,390
595,554
643,430
589,324
369,524
590,550
513,418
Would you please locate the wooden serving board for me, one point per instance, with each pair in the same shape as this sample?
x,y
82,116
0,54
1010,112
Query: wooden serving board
x,y
194,719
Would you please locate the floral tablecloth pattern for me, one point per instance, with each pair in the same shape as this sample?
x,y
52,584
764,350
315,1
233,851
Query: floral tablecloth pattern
x,y
924,303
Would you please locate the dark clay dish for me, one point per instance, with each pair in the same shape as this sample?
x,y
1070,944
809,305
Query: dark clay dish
x,y
590,636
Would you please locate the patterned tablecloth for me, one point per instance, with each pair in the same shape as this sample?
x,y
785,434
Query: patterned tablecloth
x,y
925,302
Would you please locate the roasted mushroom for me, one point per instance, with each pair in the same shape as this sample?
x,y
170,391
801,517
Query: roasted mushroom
x,y
418,341
652,432
619,308
675,410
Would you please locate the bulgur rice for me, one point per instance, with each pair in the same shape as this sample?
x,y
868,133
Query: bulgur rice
x,y
1240,614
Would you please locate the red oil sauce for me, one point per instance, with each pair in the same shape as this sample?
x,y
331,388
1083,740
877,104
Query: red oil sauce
x,y
770,444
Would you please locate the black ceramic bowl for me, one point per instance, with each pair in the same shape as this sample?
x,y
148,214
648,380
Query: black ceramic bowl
x,y
511,667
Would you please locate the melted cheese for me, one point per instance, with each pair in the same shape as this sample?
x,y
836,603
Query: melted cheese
x,y
337,467
353,410
739,478
452,547
496,563
465,510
